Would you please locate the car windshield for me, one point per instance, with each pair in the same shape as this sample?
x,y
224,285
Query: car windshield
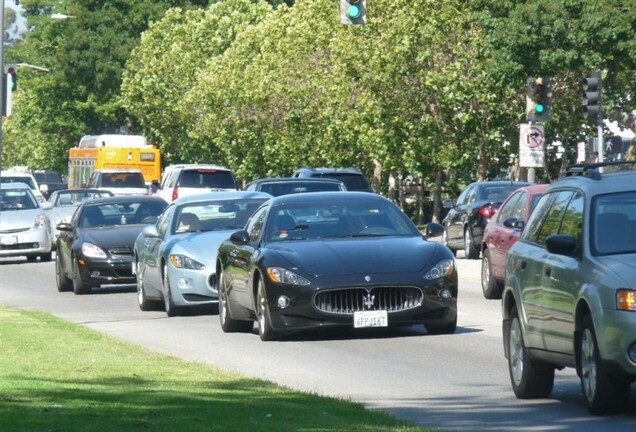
x,y
614,224
27,180
217,215
127,213
75,198
17,199
286,188
338,219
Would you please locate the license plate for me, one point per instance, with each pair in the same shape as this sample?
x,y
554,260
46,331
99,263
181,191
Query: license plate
x,y
370,319
9,240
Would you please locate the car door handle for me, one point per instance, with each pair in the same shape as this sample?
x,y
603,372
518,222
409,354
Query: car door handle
x,y
524,263
548,271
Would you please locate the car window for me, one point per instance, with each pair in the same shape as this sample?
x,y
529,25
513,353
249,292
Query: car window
x,y
164,220
123,180
536,219
471,196
17,199
511,208
552,222
255,224
573,219
206,178
614,224
27,180
352,181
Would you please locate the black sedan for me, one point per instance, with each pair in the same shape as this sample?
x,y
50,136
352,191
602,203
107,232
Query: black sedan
x,y
324,259
466,220
96,247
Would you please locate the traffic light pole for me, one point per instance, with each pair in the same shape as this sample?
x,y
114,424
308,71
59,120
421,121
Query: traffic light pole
x,y
2,102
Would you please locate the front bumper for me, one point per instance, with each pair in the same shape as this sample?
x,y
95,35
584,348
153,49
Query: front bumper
x,y
303,313
31,242
616,334
103,272
193,287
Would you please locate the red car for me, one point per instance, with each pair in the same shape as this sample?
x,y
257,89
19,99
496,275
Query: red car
x,y
501,233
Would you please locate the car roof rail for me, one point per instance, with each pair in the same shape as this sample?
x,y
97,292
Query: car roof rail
x,y
591,170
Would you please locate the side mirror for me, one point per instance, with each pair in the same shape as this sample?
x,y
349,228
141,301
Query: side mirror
x,y
240,237
150,231
561,244
47,205
510,222
434,230
64,226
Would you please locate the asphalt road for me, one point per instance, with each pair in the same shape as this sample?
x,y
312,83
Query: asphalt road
x,y
455,382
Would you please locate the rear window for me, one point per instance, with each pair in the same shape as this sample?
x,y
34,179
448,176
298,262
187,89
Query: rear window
x,y
277,189
123,180
353,182
207,178
498,193
27,180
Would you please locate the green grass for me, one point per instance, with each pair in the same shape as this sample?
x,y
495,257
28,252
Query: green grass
x,y
57,376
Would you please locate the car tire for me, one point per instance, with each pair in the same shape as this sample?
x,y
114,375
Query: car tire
x,y
228,324
46,257
168,304
79,287
470,250
265,330
445,242
604,391
145,304
530,379
449,328
63,282
489,285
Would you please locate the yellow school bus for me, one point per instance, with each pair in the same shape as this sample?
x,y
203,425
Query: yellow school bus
x,y
112,151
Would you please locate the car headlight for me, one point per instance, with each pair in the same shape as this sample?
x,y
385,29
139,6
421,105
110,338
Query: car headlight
x,y
441,269
282,275
39,222
185,262
89,250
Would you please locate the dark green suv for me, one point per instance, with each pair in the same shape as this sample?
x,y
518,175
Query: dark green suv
x,y
570,292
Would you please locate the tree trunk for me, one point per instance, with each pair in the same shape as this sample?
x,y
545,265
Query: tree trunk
x,y
377,176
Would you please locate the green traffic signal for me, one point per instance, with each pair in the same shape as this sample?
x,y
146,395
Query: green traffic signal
x,y
353,11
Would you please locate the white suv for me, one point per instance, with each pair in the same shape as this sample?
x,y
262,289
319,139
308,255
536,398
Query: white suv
x,y
23,175
190,179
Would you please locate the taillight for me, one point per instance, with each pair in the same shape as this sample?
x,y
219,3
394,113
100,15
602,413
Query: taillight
x,y
175,193
487,212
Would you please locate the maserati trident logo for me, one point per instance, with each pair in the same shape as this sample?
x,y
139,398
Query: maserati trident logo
x,y
368,301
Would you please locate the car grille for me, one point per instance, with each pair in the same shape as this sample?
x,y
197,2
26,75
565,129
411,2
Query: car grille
x,y
120,251
350,300
16,230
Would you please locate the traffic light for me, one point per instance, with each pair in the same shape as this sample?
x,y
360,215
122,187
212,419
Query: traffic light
x,y
353,12
592,98
538,103
12,70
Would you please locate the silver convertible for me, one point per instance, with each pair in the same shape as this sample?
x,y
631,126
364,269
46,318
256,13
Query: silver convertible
x,y
175,259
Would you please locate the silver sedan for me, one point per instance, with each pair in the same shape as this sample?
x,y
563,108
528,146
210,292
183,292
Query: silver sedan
x,y
175,259
62,204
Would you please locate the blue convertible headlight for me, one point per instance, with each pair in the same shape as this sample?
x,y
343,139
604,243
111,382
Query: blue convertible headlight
x,y
282,275
441,269
89,250
185,262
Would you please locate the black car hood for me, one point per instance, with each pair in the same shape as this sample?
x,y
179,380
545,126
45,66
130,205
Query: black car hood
x,y
112,236
357,255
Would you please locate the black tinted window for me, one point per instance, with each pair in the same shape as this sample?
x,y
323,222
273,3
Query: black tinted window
x,y
207,178
353,182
